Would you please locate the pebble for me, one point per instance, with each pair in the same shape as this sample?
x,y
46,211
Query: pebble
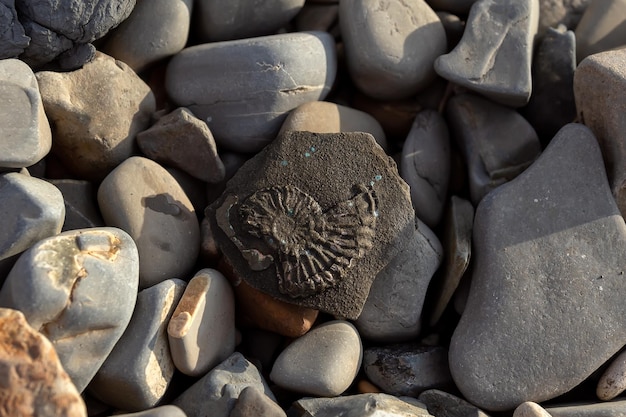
x,y
201,331
494,56
145,37
425,165
181,140
143,199
323,362
13,41
608,409
244,89
243,19
32,209
25,136
93,130
613,381
253,402
216,393
393,310
362,405
444,404
601,28
599,82
78,289
530,409
324,117
407,369
390,47
33,380
496,142
81,209
162,411
548,265
139,369
314,16
560,12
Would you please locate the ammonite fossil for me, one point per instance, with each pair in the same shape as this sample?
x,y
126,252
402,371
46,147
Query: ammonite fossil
x,y
312,248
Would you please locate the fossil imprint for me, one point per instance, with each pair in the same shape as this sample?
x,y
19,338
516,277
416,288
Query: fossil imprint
x,y
311,249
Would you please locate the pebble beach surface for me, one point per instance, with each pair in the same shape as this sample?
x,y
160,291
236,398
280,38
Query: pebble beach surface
x,y
320,208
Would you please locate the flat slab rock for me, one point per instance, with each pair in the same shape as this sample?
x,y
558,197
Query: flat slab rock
x,y
546,303
328,213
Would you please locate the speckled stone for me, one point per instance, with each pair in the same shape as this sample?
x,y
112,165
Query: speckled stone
x,y
362,405
613,381
81,207
444,404
323,362
143,199
601,28
25,135
79,290
138,371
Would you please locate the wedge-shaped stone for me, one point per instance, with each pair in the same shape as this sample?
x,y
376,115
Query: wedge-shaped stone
x,y
362,405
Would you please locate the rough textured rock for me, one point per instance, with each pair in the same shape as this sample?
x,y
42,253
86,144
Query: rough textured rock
x,y
323,362
609,409
13,39
550,263
25,135
253,402
494,56
143,199
154,30
598,84
34,382
95,112
138,371
181,140
330,212
30,210
530,409
237,19
443,404
78,289
243,89
81,208
613,381
601,28
362,405
391,46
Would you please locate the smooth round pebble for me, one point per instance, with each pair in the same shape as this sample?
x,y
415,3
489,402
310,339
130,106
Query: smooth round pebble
x,y
530,409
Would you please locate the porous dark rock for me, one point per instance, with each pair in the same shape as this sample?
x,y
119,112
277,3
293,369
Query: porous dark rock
x,y
13,39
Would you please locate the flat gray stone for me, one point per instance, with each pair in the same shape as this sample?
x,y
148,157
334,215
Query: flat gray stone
x,y
143,199
253,402
390,47
30,210
216,393
550,260
181,140
598,84
156,29
238,19
407,369
496,141
604,409
13,39
138,371
443,404
25,136
362,405
323,362
79,290
601,28
162,411
393,310
81,207
425,165
244,89
494,56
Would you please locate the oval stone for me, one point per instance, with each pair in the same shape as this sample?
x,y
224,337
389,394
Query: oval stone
x,y
244,89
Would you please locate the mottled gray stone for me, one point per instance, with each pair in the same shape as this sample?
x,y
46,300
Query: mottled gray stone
x,y
606,409
142,198
407,369
238,19
601,28
425,165
453,6
95,113
323,362
390,47
496,141
67,27
155,29
25,136
443,404
393,310
216,393
30,210
253,402
13,40
551,104
550,260
244,89
81,208
599,82
181,140
138,371
162,411
362,405
78,289
494,56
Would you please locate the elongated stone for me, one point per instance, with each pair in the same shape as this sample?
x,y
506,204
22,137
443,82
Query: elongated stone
x,y
362,405
602,409
79,290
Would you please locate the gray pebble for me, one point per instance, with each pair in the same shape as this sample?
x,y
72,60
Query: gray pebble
x,y
560,12
79,290
602,409
443,404
244,89
81,208
362,405
253,402
162,411
530,409
13,40
314,16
